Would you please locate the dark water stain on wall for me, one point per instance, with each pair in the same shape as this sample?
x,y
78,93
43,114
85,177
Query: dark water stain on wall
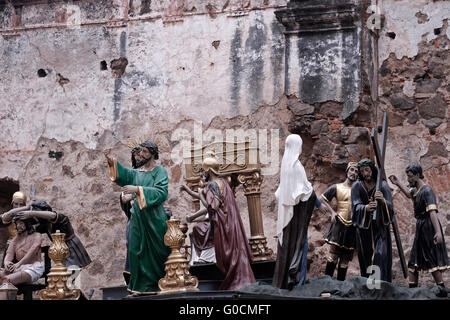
x,y
145,6
254,63
142,80
310,82
117,97
276,57
236,70
350,83
287,62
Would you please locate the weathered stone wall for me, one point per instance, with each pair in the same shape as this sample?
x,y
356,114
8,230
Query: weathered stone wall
x,y
414,90
68,93
83,76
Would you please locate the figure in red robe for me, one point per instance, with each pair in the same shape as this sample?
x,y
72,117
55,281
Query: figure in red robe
x,y
233,254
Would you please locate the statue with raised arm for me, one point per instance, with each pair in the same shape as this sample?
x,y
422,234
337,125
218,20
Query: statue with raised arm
x,y
233,253
148,186
48,221
429,252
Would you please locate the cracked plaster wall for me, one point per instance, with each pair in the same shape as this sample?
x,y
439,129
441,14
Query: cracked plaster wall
x,y
220,70
237,82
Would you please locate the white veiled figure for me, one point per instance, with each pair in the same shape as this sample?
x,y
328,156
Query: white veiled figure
x,y
294,185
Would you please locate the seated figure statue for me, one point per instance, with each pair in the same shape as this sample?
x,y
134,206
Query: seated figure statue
x,y
23,260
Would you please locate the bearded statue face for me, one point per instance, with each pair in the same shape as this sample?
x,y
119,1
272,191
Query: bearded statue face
x,y
20,226
366,173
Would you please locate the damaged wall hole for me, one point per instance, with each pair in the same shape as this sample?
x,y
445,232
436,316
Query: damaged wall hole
x,y
42,73
437,31
55,154
103,65
391,35
118,67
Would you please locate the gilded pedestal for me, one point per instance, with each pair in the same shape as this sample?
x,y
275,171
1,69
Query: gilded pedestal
x,y
178,278
57,278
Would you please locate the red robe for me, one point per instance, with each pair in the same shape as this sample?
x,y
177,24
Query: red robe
x,y
233,254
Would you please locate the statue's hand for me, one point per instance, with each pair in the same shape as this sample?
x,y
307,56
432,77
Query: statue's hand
x,y
183,188
9,266
188,219
15,267
108,157
129,189
394,179
23,215
371,206
333,217
126,198
379,196
437,238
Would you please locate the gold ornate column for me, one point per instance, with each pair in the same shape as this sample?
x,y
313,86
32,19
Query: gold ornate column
x,y
57,278
178,278
252,190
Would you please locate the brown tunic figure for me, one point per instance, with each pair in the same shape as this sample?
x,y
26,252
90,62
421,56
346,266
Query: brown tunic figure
x,y
342,236
233,254
429,252
23,261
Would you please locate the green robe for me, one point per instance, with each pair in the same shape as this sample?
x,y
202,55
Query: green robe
x,y
147,252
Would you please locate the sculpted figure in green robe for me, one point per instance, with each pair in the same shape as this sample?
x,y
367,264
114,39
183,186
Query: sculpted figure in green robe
x,y
148,185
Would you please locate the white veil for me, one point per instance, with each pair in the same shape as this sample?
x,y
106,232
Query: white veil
x,y
294,185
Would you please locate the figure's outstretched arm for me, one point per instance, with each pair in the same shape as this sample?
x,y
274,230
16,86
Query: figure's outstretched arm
x,y
193,194
326,197
199,213
326,208
402,188
47,215
117,172
7,216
